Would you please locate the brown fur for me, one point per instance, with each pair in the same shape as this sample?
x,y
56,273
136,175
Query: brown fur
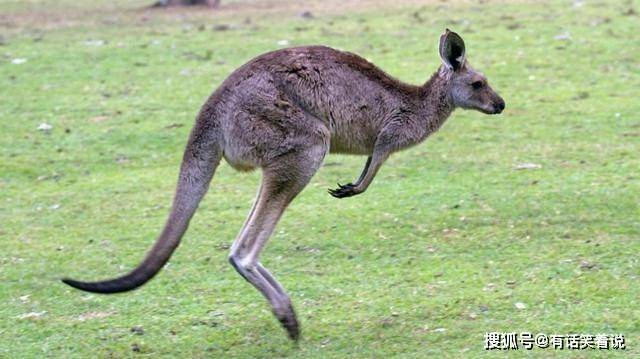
x,y
283,112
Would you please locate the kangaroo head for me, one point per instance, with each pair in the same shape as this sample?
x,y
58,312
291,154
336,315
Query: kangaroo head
x,y
469,89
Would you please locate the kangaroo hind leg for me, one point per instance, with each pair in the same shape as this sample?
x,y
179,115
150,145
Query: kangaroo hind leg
x,y
281,183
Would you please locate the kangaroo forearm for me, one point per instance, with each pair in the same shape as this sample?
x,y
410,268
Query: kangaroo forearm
x,y
374,162
373,165
364,171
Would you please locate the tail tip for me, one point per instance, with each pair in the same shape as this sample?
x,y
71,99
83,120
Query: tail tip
x,y
105,287
87,287
70,282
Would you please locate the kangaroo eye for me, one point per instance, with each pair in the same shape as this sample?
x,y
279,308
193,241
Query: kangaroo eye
x,y
477,85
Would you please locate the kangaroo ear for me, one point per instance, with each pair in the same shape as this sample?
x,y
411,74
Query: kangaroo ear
x,y
452,50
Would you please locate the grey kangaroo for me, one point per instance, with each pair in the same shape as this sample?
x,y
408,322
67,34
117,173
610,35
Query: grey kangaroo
x,y
283,112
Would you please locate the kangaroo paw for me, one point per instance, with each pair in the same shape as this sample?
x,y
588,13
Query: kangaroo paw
x,y
343,191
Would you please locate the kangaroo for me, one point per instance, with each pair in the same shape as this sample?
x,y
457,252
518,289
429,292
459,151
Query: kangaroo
x,y
283,112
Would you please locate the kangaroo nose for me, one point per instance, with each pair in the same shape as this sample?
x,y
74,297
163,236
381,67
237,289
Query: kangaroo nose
x,y
499,106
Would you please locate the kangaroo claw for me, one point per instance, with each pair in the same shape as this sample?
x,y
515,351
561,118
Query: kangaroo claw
x,y
343,191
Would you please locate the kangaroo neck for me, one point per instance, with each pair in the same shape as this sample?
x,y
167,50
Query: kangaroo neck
x,y
435,104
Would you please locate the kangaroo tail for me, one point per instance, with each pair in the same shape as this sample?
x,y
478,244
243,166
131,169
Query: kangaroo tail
x,y
202,156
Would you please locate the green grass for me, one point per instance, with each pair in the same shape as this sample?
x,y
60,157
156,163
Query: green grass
x,y
450,234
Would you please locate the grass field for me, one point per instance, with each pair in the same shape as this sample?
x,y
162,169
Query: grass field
x,y
452,240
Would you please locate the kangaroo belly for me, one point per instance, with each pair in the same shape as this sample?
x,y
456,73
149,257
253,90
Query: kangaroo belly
x,y
339,144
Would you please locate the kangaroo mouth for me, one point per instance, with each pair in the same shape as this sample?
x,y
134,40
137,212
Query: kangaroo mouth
x,y
490,110
494,109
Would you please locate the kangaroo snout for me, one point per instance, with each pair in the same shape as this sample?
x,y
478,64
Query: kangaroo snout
x,y
498,106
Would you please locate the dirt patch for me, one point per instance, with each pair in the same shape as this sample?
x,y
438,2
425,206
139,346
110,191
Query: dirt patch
x,y
51,15
93,315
